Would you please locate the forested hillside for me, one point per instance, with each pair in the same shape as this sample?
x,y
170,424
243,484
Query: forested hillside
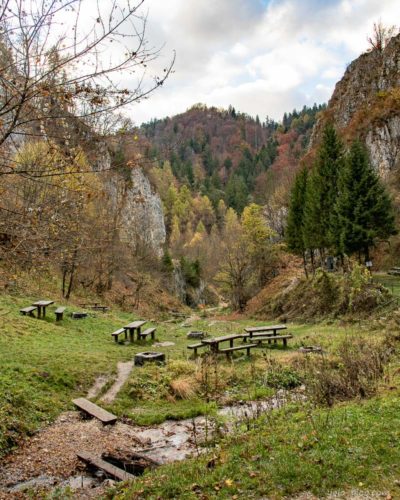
x,y
225,154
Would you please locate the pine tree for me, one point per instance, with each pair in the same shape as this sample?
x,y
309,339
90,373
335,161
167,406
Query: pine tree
x,y
364,208
295,220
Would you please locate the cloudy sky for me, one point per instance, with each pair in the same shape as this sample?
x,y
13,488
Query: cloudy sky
x,y
262,56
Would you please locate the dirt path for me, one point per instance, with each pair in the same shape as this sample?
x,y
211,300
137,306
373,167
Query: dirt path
x,y
124,370
97,386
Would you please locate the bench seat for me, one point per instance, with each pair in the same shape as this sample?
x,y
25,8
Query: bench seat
x,y
196,346
119,332
269,338
28,311
149,331
229,350
59,313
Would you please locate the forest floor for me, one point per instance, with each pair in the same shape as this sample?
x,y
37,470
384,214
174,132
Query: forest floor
x,y
170,410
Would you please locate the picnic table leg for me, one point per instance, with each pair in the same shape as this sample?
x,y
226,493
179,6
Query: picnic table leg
x,y
126,334
44,311
285,342
39,315
231,343
131,334
139,337
275,341
248,351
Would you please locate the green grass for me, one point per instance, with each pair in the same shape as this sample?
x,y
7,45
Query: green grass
x,y
44,364
290,451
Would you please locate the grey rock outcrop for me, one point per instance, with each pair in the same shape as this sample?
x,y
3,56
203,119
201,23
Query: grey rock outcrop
x,y
366,104
142,214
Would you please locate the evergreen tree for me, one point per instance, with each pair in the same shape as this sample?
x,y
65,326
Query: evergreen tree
x,y
237,193
364,208
320,221
295,220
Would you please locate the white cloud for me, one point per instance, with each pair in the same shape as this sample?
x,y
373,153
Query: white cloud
x,y
261,59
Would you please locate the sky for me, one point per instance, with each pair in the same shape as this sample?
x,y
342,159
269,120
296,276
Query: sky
x,y
263,57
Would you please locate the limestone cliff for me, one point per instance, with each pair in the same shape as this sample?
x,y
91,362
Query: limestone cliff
x,y
366,104
142,214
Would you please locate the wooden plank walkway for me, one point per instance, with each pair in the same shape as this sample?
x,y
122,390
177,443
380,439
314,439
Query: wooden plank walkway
x,y
95,411
106,467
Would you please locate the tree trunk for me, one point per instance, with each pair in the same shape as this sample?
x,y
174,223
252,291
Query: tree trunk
x,y
305,264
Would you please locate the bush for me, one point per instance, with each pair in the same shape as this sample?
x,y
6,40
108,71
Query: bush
x,y
353,373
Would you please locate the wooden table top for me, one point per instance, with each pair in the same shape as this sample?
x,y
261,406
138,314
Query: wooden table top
x,y
265,328
43,303
135,324
217,340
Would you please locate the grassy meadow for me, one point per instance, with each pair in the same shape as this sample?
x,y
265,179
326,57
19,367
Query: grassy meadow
x,y
301,447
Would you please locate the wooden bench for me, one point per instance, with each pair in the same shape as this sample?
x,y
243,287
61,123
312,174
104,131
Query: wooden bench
x,y
28,311
196,346
229,350
149,331
59,312
119,332
109,469
269,338
95,411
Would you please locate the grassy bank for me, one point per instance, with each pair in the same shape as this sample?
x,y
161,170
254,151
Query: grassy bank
x,y
291,451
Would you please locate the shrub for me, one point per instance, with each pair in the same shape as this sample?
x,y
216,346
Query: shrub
x,y
353,373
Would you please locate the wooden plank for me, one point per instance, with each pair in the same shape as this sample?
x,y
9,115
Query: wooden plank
x,y
196,346
271,337
27,310
238,348
109,469
95,411
43,303
60,310
265,328
134,324
217,340
118,332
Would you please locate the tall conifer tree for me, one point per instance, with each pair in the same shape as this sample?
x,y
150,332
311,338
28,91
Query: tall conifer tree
x,y
295,220
321,230
364,208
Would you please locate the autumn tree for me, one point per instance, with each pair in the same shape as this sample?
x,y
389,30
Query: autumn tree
x,y
381,36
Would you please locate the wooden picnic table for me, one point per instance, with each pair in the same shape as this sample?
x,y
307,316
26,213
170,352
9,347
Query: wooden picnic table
x,y
214,342
135,325
264,330
41,306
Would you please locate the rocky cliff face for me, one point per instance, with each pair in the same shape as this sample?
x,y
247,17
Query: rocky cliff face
x,y
142,214
366,104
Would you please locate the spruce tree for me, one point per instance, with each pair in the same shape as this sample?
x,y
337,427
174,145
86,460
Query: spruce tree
x,y
320,221
295,221
364,208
